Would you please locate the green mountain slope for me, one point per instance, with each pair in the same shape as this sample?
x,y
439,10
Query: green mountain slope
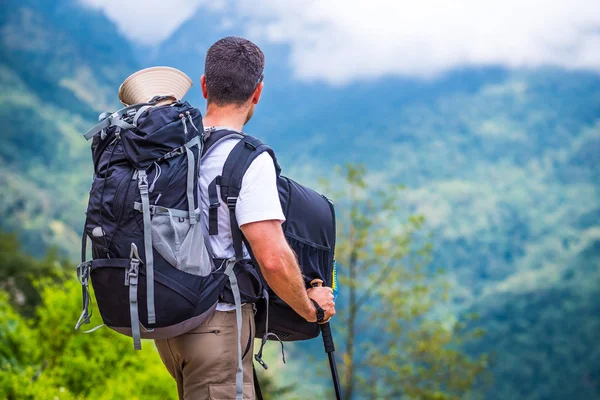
x,y
61,64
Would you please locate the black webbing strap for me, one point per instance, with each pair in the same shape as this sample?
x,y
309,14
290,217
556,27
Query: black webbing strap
x,y
257,391
239,161
85,294
236,165
236,232
213,208
83,246
213,136
110,263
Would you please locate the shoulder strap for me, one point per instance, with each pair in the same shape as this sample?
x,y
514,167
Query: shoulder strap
x,y
215,135
239,161
212,138
236,165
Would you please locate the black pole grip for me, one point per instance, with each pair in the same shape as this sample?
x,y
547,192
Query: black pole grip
x,y
327,338
329,348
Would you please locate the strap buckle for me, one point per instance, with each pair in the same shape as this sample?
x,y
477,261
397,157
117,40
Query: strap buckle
x,y
258,356
83,272
134,266
142,180
132,272
231,202
261,362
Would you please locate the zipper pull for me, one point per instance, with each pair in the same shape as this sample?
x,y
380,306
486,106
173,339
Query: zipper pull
x,y
185,129
191,120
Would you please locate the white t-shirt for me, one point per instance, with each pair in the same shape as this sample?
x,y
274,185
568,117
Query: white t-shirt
x,y
258,199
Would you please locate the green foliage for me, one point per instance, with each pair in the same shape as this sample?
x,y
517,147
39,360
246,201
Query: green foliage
x,y
43,357
546,339
400,340
272,390
18,270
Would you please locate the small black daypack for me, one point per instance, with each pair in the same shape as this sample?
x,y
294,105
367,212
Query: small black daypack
x,y
309,229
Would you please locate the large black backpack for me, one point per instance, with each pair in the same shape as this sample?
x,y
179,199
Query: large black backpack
x,y
152,273
309,229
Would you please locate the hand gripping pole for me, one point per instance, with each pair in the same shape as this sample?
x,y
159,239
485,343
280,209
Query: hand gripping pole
x,y
329,348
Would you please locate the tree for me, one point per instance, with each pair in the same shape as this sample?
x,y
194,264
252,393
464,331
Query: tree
x,y
397,340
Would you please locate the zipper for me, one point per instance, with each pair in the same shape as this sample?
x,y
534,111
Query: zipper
x,y
331,207
124,181
287,211
214,331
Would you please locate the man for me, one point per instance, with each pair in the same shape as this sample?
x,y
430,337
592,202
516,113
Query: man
x,y
204,361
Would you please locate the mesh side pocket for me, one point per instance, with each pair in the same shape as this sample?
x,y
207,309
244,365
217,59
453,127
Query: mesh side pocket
x,y
181,244
193,257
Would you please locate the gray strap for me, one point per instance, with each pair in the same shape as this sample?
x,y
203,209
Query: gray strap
x,y
239,136
105,123
193,142
94,329
133,310
239,375
190,185
131,280
143,186
159,210
83,274
201,218
139,113
99,127
116,116
212,129
122,124
179,150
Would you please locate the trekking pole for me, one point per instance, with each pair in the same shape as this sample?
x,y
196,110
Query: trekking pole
x,y
329,348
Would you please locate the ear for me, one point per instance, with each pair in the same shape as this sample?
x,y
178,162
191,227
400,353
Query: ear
x,y
257,93
203,86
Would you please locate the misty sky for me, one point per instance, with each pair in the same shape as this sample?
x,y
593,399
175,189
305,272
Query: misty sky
x,y
341,40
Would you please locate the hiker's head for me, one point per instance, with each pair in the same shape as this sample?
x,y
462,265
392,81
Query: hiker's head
x,y
233,74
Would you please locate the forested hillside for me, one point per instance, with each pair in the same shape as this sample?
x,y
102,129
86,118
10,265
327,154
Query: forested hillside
x,y
503,164
60,65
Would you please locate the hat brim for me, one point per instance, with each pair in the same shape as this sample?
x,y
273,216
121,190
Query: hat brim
x,y
147,83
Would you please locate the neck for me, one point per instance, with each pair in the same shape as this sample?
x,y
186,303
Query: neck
x,y
231,116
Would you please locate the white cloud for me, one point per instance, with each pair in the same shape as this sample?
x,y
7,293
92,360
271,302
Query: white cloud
x,y
146,21
343,40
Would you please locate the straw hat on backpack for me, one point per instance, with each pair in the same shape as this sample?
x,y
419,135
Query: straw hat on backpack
x,y
143,85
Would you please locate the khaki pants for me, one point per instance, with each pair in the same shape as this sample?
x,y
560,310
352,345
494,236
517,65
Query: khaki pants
x,y
204,360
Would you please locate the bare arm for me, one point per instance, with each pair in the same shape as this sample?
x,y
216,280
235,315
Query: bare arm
x,y
280,269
